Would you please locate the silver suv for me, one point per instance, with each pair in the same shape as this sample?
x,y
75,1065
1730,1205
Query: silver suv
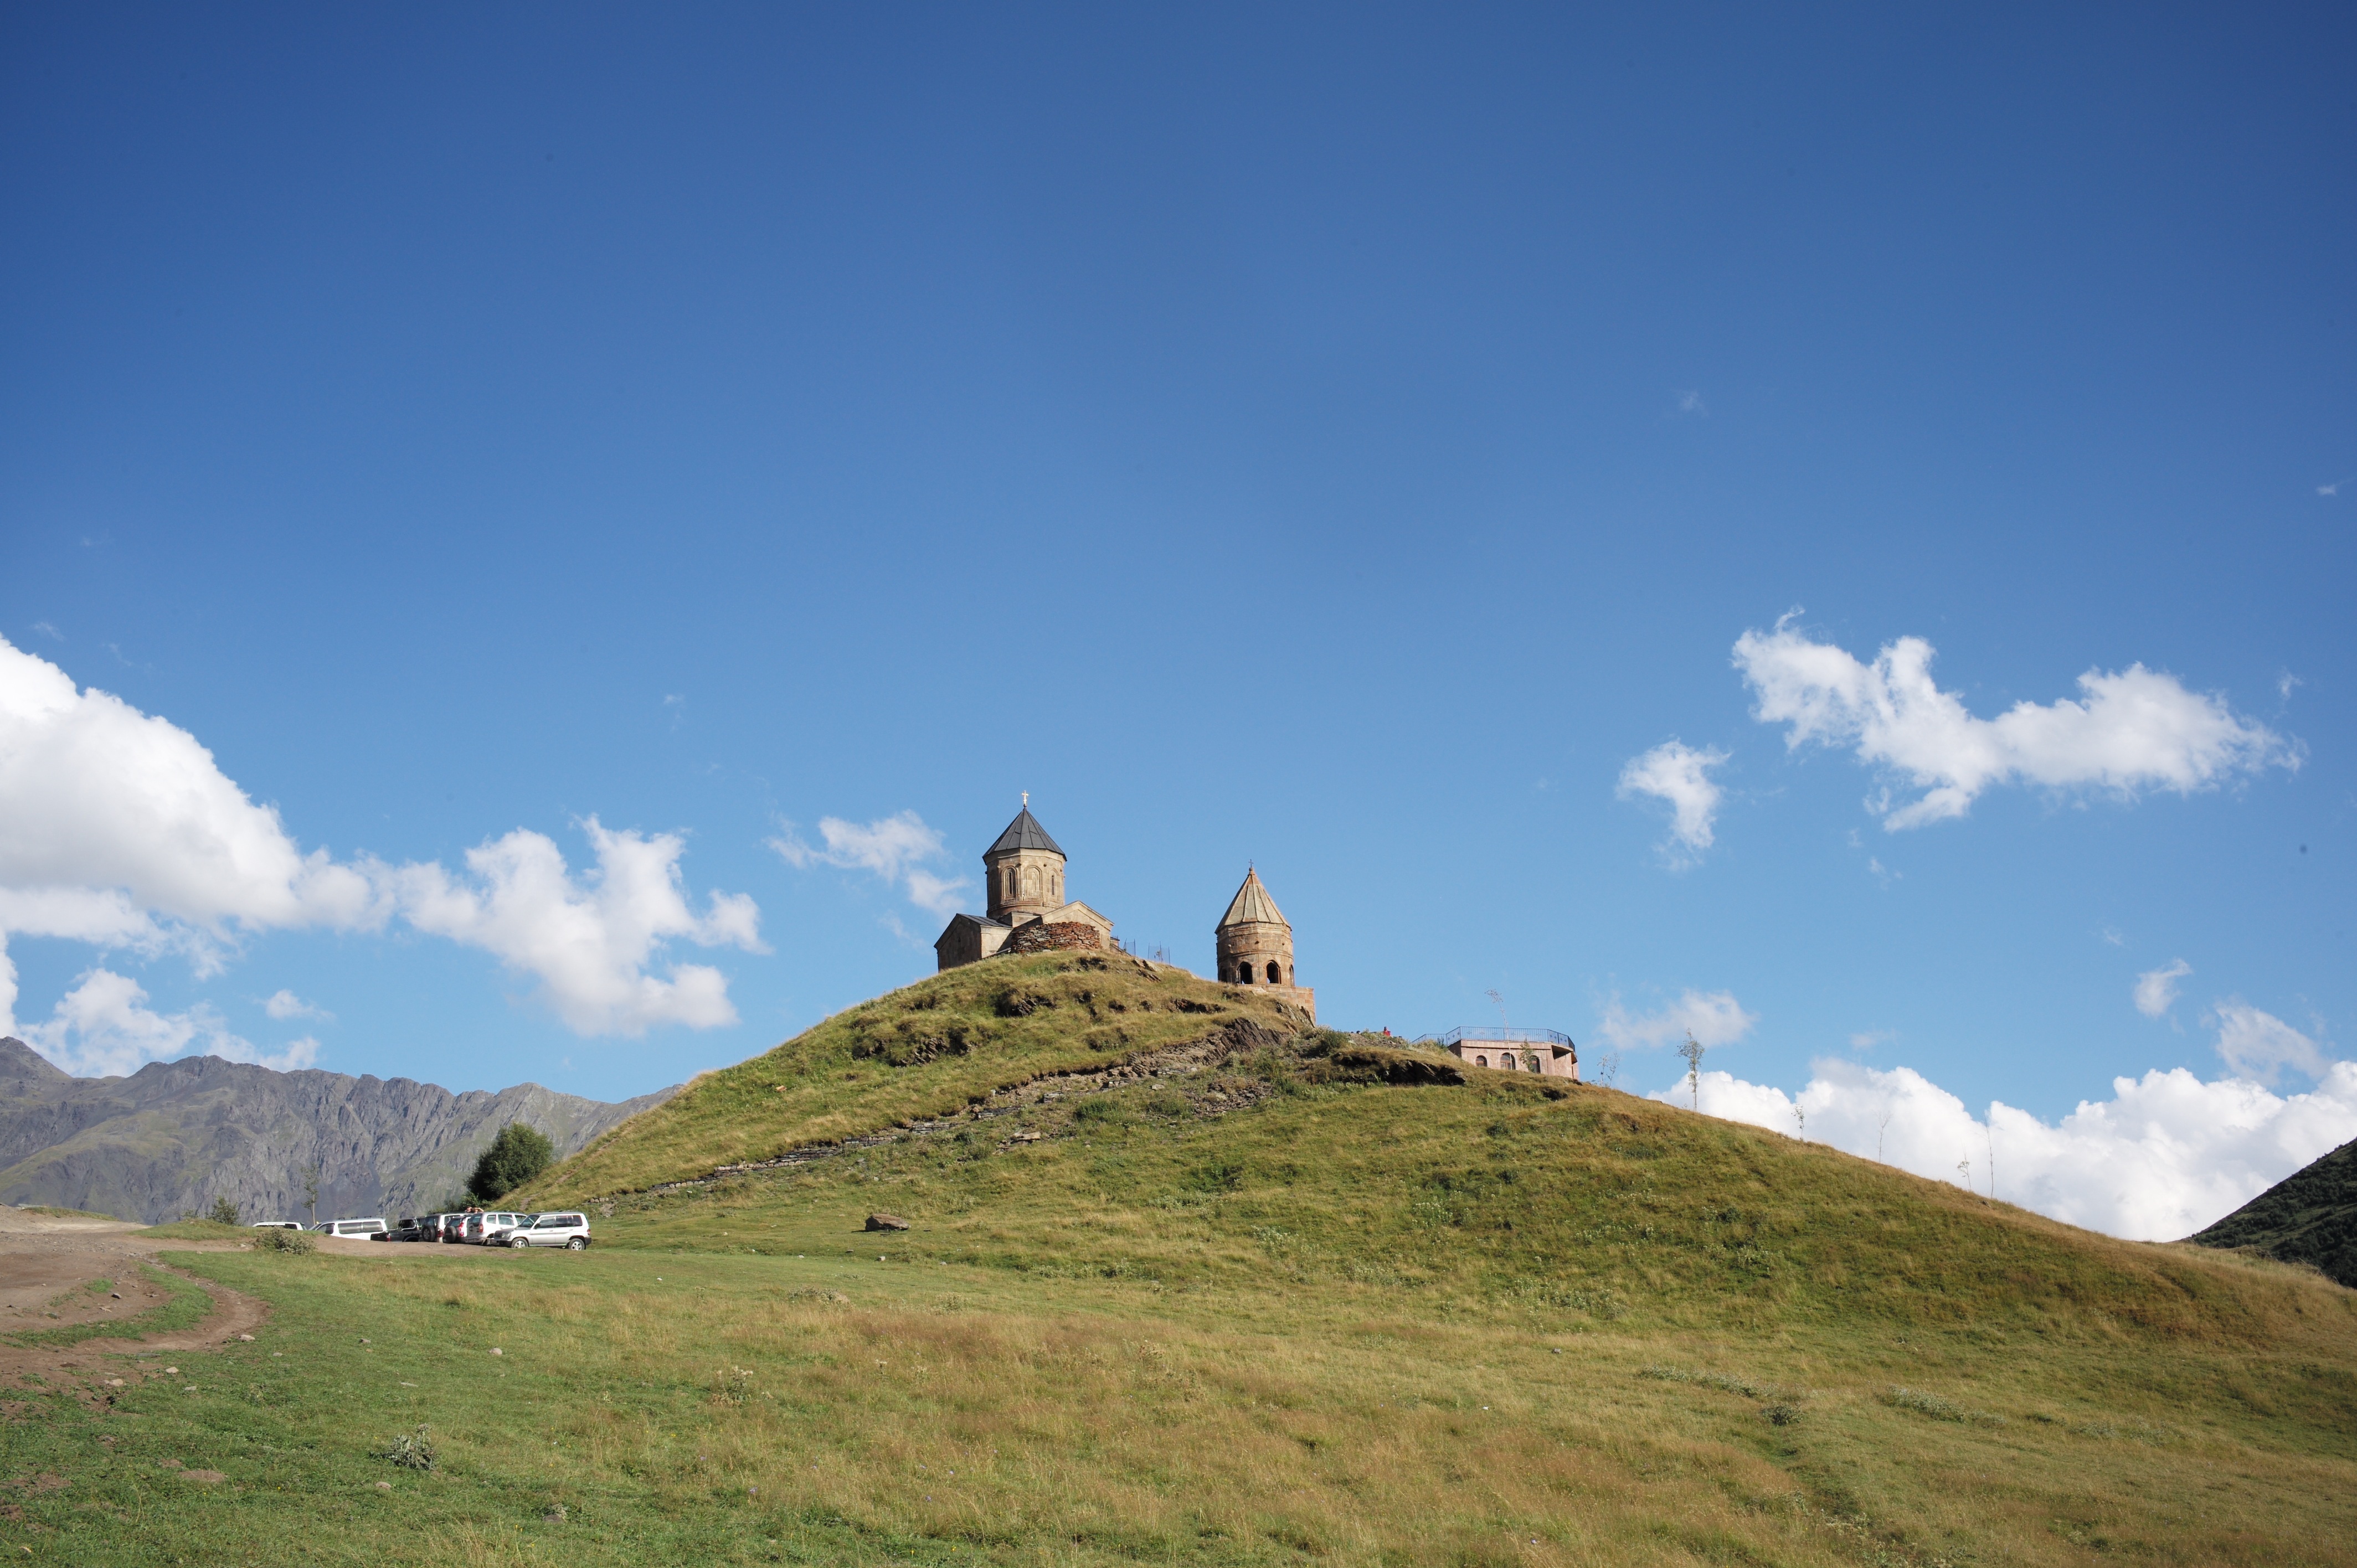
x,y
484,1229
571,1230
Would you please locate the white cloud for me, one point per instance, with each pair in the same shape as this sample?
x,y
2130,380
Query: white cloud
x,y
1678,773
2165,1156
590,944
97,795
895,848
287,1005
103,1027
1691,403
1712,1018
2156,989
119,830
2259,1045
2136,729
1867,1039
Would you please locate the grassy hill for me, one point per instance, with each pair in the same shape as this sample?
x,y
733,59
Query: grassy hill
x,y
2309,1216
1197,1284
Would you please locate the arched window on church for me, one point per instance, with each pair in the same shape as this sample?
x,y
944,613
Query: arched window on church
x,y
1530,1061
1480,1061
1275,975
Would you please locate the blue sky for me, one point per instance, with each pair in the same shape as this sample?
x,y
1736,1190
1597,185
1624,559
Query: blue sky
x,y
1340,440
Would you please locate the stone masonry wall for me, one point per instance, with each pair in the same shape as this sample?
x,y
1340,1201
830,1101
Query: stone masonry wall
x,y
1060,935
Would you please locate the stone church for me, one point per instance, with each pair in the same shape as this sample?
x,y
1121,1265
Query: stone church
x,y
1025,910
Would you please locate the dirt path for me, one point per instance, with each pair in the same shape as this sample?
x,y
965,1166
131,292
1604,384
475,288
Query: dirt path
x,y
59,1273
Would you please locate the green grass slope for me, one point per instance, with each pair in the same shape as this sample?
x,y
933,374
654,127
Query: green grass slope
x,y
969,1032
1206,1286
2309,1216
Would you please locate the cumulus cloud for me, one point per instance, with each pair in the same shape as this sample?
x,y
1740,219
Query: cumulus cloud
x,y
287,1005
1712,1018
2259,1046
896,848
591,944
118,829
1678,773
103,1027
99,796
2156,989
2132,730
2163,1157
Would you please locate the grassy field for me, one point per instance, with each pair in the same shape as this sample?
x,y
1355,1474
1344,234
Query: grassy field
x,y
1282,1309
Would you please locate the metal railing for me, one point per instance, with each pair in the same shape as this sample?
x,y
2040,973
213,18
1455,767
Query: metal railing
x,y
1497,1033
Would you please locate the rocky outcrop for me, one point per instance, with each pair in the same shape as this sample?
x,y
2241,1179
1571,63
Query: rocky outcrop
x,y
176,1136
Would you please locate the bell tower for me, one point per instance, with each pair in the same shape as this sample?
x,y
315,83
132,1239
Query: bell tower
x,y
1025,871
1255,945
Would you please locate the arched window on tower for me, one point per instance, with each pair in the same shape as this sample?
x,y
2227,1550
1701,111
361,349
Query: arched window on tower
x,y
1275,975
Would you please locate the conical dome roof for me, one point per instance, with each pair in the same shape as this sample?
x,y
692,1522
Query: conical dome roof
x,y
1023,833
1251,902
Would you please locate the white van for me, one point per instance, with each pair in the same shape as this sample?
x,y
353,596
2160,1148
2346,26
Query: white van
x,y
552,1231
360,1229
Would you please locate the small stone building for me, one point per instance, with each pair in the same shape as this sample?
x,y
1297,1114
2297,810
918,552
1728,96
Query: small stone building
x,y
1255,945
1024,903
1541,1051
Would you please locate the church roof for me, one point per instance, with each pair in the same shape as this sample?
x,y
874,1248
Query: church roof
x,y
1251,902
1023,833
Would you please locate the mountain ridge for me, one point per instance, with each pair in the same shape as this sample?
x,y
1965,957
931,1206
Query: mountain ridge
x,y
2309,1216
175,1135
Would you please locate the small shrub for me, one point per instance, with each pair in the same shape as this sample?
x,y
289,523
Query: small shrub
x,y
1937,1408
1783,1413
1720,1381
277,1241
411,1451
1224,1177
1165,1102
732,1386
1922,1403
223,1212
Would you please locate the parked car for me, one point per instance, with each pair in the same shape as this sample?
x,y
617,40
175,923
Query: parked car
x,y
408,1227
552,1231
430,1227
354,1229
454,1225
276,1225
484,1229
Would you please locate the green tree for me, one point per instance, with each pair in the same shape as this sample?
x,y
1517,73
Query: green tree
x,y
516,1156
223,1212
311,1189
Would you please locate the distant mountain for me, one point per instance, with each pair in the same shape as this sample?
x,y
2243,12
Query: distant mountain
x,y
175,1135
2309,1216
